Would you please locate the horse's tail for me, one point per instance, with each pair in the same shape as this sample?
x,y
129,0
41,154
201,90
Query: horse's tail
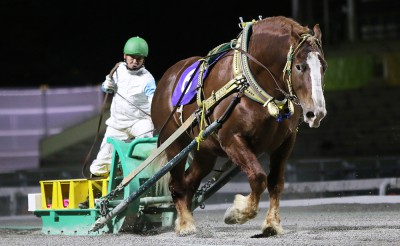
x,y
162,185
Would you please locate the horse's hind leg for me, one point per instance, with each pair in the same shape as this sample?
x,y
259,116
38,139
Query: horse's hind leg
x,y
184,223
200,167
246,207
183,186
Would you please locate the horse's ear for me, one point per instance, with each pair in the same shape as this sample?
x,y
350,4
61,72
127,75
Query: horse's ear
x,y
317,32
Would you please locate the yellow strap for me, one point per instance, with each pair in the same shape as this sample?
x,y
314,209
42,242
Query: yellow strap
x,y
200,138
227,89
203,68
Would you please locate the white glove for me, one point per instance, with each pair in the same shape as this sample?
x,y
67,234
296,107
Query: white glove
x,y
108,85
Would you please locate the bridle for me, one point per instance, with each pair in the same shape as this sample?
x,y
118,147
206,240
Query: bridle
x,y
254,91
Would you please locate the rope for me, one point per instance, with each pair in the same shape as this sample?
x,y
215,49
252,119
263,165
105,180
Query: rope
x,y
85,162
132,104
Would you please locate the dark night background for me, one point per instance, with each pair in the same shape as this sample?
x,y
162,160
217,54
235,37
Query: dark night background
x,y
75,43
63,43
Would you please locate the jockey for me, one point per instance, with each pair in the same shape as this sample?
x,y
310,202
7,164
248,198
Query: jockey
x,y
133,86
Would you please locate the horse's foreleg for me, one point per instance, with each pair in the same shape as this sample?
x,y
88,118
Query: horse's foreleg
x,y
272,224
245,208
201,165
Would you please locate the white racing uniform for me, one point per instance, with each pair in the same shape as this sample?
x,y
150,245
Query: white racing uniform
x,y
133,90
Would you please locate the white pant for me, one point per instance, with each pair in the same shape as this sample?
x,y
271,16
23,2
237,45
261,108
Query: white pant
x,y
101,165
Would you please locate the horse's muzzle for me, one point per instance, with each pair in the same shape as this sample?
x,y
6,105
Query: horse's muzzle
x,y
313,118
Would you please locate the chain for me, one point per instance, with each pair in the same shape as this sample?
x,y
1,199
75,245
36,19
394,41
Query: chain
x,y
203,189
103,207
103,204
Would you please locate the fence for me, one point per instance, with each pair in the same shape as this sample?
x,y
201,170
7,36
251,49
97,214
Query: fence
x,y
27,115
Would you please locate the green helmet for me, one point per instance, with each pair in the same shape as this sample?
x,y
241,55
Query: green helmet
x,y
136,46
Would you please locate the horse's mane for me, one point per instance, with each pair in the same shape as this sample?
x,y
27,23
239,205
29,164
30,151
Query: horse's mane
x,y
281,25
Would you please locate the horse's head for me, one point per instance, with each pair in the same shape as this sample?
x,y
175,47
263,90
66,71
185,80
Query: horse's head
x,y
308,70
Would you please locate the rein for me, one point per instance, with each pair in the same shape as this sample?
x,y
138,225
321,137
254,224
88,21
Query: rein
x,y
141,110
85,162
244,81
288,67
254,91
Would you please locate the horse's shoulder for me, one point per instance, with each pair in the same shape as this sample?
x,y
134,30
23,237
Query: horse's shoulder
x,y
192,59
187,61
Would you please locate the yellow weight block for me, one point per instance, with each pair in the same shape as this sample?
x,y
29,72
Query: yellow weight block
x,y
67,194
49,189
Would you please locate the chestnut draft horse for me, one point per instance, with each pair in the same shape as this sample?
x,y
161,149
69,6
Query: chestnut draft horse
x,y
274,72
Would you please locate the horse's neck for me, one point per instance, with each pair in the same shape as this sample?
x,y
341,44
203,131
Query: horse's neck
x,y
265,50
274,59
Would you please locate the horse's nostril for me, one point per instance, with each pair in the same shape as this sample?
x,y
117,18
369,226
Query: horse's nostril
x,y
310,114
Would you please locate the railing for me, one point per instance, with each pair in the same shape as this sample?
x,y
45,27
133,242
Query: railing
x,y
306,178
306,188
28,115
349,168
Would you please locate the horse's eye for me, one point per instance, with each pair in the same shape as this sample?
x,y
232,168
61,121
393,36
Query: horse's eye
x,y
300,68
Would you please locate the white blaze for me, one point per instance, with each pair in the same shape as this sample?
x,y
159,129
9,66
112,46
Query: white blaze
x,y
315,72
317,94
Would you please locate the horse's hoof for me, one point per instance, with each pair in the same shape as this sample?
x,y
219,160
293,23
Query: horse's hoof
x,y
189,230
184,229
271,229
236,214
230,216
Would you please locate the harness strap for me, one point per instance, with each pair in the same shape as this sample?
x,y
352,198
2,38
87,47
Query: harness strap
x,y
203,68
236,57
215,97
207,61
230,87
243,78
254,91
157,152
205,105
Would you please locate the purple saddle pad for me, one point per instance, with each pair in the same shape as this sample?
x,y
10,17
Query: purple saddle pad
x,y
185,79
182,83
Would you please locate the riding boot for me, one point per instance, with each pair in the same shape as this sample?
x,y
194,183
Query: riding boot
x,y
85,204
